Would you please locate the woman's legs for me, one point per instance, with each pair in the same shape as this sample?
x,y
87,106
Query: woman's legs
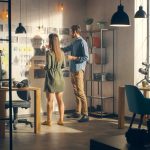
x,y
59,97
50,98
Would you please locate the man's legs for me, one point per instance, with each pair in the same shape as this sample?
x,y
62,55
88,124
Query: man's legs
x,y
78,85
75,88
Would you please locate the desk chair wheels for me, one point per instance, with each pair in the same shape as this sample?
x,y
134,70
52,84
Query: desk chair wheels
x,y
22,121
22,102
16,120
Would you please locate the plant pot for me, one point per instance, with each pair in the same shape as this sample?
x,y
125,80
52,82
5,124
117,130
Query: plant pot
x,y
88,27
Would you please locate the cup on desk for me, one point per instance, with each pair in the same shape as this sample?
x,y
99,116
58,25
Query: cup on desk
x,y
144,83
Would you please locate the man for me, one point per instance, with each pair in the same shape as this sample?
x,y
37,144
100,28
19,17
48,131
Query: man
x,y
78,59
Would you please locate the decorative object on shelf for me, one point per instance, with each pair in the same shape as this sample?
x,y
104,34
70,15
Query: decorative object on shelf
x,y
101,24
99,76
96,41
110,77
90,58
140,13
120,18
88,22
20,28
99,56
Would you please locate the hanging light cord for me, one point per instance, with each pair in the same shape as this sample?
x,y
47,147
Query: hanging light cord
x,y
39,14
20,10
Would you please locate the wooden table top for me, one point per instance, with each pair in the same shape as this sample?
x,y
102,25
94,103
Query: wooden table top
x,y
30,88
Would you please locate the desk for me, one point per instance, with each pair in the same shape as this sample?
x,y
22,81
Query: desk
x,y
121,103
37,105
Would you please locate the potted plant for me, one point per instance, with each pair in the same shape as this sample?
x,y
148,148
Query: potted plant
x,y
101,24
88,22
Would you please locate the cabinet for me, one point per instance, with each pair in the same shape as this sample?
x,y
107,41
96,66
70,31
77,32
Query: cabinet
x,y
99,83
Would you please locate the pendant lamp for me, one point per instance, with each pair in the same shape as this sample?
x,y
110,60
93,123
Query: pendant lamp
x,y
20,29
120,18
140,13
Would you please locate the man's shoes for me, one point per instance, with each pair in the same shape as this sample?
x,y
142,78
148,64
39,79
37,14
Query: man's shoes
x,y
75,115
84,118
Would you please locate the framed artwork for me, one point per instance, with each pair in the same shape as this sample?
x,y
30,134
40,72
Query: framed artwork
x,y
64,31
52,30
39,73
1,27
14,39
65,40
39,52
37,62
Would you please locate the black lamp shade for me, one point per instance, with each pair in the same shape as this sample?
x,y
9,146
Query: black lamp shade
x,y
140,13
120,18
20,29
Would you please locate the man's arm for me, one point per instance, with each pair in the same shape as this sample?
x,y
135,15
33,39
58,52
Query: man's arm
x,y
68,48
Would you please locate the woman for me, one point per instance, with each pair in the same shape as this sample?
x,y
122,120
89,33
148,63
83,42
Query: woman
x,y
54,81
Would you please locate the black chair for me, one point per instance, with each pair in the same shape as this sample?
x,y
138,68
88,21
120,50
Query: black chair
x,y
22,102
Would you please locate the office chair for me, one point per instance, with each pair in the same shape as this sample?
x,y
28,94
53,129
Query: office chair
x,y
23,102
137,103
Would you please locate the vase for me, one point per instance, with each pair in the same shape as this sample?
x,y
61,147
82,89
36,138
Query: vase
x,y
88,27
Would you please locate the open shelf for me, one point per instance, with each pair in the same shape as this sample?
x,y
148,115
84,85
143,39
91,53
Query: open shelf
x,y
98,91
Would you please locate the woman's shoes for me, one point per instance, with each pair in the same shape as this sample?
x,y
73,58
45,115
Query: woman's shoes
x,y
47,123
61,123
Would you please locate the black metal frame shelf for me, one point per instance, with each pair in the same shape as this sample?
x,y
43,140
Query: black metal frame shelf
x,y
100,82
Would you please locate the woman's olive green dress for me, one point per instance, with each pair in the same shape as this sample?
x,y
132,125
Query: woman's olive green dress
x,y
54,80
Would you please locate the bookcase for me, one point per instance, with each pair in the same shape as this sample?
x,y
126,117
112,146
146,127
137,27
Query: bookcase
x,y
99,80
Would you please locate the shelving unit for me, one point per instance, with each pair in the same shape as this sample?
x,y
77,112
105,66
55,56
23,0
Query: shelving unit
x,y
2,111
101,87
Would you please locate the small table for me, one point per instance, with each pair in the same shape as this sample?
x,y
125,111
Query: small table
x,y
121,103
37,105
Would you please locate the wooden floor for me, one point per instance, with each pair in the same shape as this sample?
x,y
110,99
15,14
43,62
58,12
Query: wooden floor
x,y
71,136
